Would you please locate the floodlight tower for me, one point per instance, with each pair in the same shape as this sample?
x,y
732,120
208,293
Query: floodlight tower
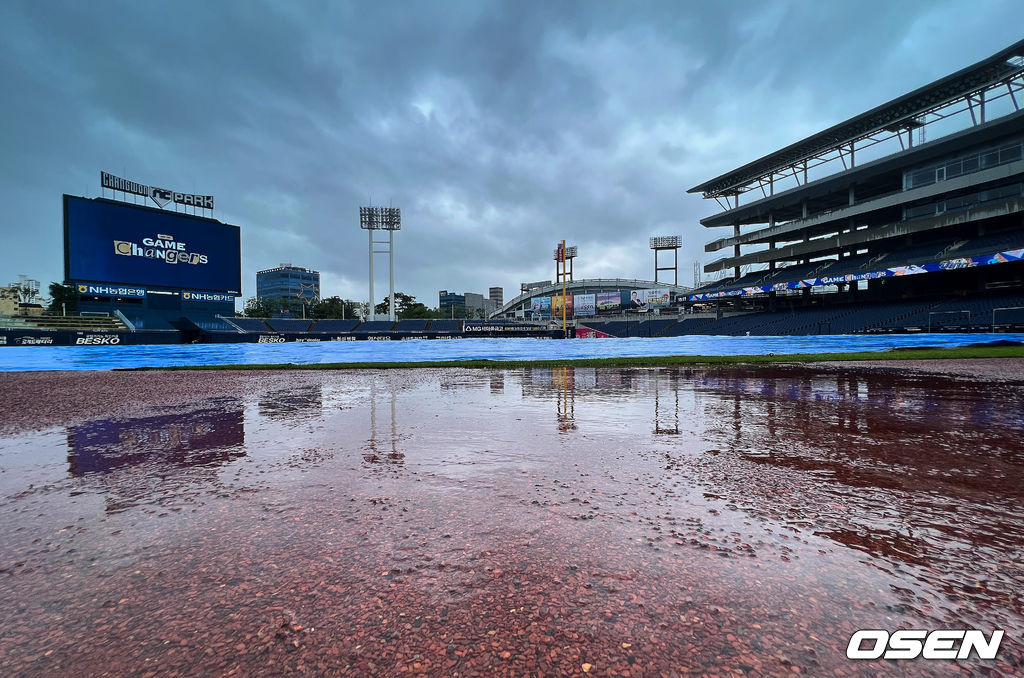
x,y
667,242
569,255
563,256
382,219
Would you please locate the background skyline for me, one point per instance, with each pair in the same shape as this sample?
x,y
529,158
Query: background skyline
x,y
498,128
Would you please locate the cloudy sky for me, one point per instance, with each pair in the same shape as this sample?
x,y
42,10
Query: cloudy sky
x,y
499,128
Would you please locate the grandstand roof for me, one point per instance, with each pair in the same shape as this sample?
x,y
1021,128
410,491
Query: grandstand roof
x,y
902,111
787,205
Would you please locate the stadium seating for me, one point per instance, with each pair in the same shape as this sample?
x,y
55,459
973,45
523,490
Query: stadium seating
x,y
412,325
687,326
61,322
334,325
989,244
251,324
794,273
374,326
965,314
445,326
213,325
289,324
636,326
746,280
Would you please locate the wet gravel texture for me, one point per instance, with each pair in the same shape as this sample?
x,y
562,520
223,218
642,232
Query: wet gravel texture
x,y
986,369
556,521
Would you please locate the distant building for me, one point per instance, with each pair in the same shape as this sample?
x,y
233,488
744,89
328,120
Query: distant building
x,y
28,289
14,300
289,284
474,302
497,295
479,306
451,304
467,305
9,301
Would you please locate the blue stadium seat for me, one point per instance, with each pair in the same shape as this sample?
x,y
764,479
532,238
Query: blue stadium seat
x,y
289,324
412,325
374,326
445,326
252,324
334,325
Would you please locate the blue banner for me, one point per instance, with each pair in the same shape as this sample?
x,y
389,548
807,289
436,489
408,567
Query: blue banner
x,y
911,269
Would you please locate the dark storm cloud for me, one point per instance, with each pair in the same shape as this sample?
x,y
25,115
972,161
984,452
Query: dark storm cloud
x,y
499,128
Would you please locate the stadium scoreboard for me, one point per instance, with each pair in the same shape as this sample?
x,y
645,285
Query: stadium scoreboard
x,y
120,244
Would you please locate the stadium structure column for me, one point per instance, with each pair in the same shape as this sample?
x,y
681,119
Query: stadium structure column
x,y
736,247
391,275
373,312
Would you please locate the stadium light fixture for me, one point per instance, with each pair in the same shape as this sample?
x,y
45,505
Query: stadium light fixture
x,y
382,219
667,242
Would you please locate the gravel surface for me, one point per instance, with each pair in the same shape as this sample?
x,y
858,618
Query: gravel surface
x,y
985,369
530,522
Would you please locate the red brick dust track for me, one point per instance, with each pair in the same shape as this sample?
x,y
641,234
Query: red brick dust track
x,y
631,522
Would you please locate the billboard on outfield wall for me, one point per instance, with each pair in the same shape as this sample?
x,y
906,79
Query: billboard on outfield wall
x,y
658,298
540,305
120,244
556,306
584,304
647,299
609,301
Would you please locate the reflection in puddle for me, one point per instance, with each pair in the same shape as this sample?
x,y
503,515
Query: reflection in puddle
x,y
199,438
382,446
642,521
291,404
157,459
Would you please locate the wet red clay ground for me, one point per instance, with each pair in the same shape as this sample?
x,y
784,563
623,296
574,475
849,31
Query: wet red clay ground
x,y
524,522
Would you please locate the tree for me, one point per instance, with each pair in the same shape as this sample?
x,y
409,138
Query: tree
x,y
416,310
63,300
335,307
26,293
260,307
402,303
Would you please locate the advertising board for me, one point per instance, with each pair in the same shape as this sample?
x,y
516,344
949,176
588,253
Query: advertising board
x,y
609,301
556,306
584,304
643,300
540,305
